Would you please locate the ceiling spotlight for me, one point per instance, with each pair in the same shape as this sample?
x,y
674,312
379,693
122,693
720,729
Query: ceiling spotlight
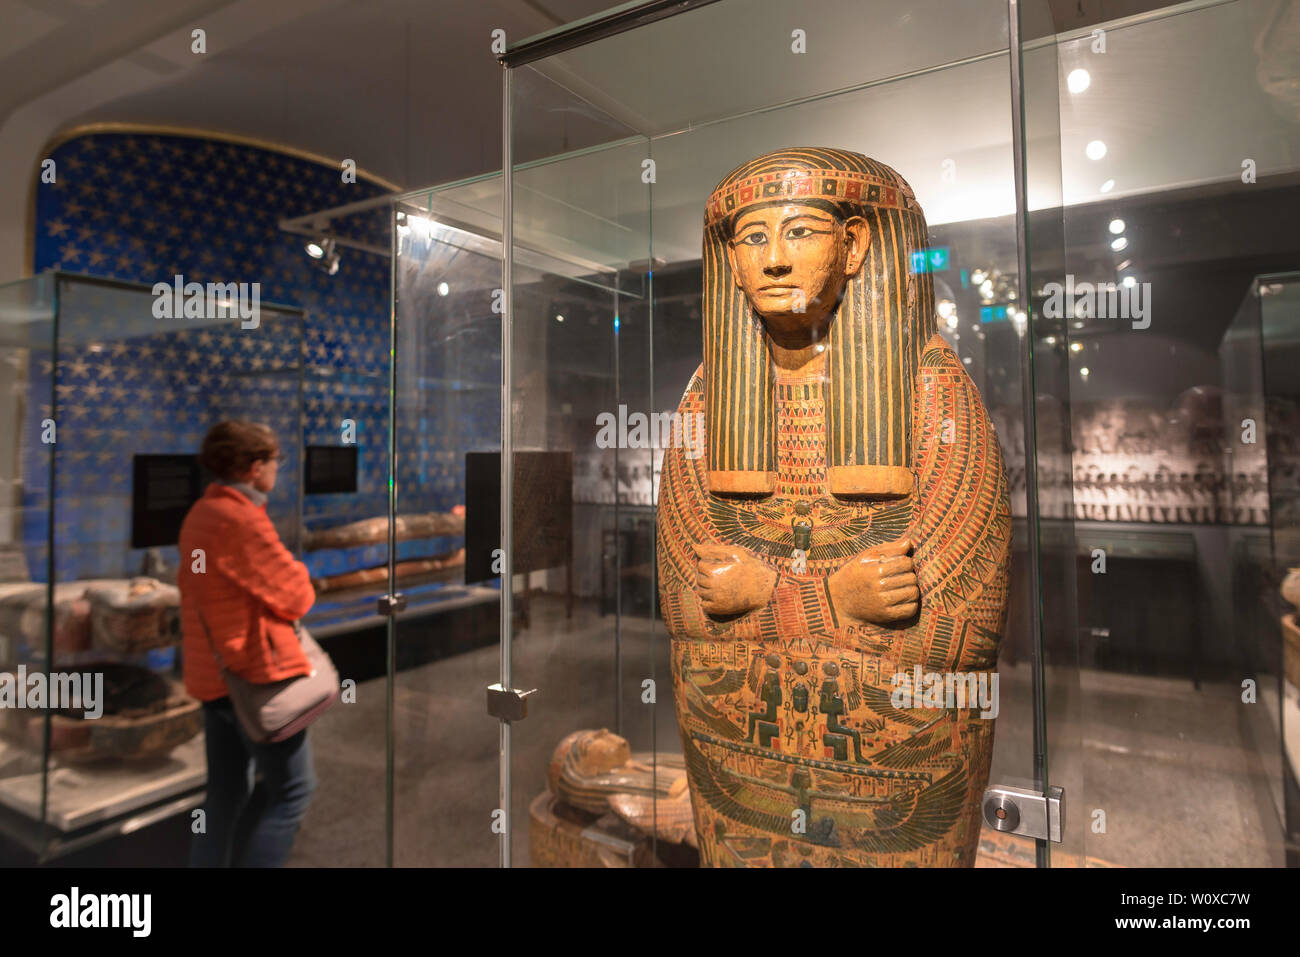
x,y
324,250
1107,186
1130,281
559,318
1118,244
443,289
1117,226
1083,372
1076,346
1095,150
1078,81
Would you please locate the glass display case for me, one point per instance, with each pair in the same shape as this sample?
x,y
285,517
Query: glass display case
x,y
1257,357
565,509
1166,226
110,389
1087,255
623,176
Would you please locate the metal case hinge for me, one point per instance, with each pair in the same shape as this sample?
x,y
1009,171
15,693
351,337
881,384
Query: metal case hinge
x,y
508,704
1026,812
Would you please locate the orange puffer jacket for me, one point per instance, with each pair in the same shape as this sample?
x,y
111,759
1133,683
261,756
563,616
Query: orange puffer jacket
x,y
249,589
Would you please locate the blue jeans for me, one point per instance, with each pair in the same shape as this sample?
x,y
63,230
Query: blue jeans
x,y
235,832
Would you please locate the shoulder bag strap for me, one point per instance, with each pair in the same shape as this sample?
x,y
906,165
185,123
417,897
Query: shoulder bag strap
x,y
203,621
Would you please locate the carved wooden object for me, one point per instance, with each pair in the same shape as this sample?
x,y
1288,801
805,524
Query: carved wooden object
x,y
849,522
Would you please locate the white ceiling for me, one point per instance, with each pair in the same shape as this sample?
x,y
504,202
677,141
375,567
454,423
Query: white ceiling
x,y
1178,100
411,90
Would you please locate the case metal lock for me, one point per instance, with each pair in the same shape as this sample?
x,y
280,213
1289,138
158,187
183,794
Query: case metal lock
x,y
389,605
1026,812
508,704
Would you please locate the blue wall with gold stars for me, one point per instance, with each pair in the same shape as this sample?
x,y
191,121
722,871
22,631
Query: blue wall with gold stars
x,y
144,208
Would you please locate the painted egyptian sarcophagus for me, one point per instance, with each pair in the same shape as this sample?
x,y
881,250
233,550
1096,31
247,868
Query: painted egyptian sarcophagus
x,y
844,540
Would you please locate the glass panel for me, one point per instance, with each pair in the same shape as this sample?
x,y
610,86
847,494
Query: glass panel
x,y
447,435
121,397
1280,335
1057,740
27,336
721,61
582,527
1174,170
635,207
1257,359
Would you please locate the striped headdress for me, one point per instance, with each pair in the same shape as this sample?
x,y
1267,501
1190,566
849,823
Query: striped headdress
x,y
875,338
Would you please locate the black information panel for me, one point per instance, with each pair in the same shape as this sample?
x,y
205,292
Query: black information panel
x,y
543,512
163,487
330,469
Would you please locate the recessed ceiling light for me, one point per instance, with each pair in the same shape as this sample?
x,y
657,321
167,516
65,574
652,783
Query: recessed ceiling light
x,y
1095,150
1078,81
1117,226
443,289
1118,244
1107,186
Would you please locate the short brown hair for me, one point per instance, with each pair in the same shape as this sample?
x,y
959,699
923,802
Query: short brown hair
x,y
231,447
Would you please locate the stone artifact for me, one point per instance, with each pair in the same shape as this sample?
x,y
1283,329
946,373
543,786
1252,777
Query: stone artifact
x,y
132,616
145,715
848,523
124,615
604,804
1290,628
1291,587
596,772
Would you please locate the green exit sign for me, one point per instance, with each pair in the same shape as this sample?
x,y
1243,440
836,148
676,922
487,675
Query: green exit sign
x,y
930,260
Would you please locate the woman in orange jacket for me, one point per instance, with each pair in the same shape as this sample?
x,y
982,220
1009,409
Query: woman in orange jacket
x,y
241,594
